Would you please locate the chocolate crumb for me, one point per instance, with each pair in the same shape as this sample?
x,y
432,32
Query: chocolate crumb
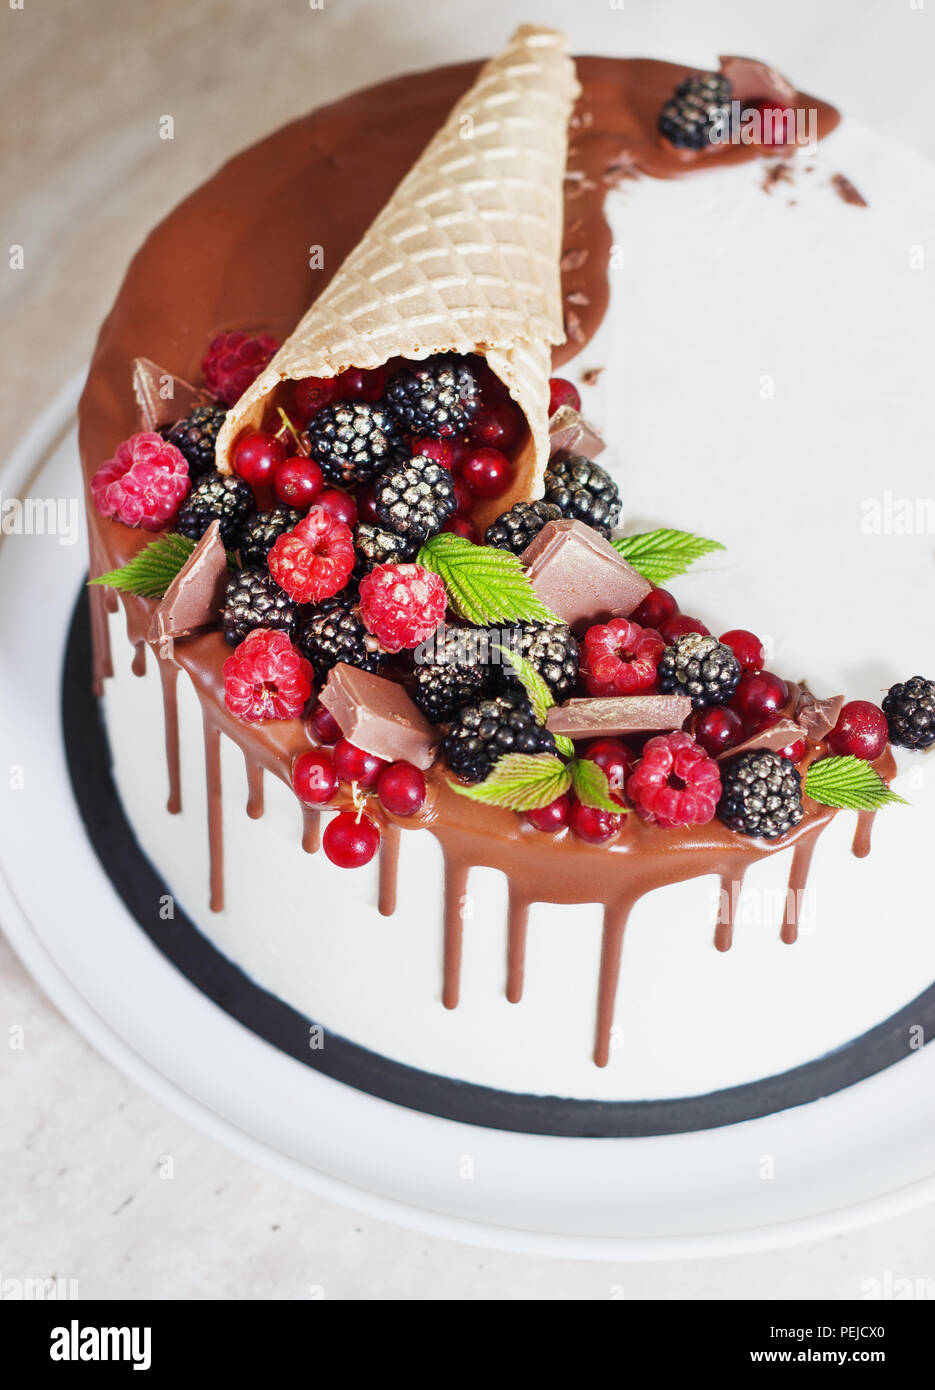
x,y
780,172
847,192
589,377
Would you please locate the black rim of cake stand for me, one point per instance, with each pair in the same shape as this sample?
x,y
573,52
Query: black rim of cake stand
x,y
140,887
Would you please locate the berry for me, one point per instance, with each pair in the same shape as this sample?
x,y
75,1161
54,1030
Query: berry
x,y
378,546
234,361
717,729
257,456
266,678
415,498
552,817
861,731
366,508
438,397
449,673
552,650
438,450
486,472
613,757
698,112
910,712
335,633
196,437
680,624
520,526
619,657
463,526
356,384
499,427
583,491
350,841
218,497
298,482
339,505
353,764
254,599
323,725
493,391
312,395
699,666
314,561
761,794
794,751
657,608
675,782
591,824
483,733
261,533
353,440
562,392
747,648
777,123
143,484
313,778
401,789
402,604
759,695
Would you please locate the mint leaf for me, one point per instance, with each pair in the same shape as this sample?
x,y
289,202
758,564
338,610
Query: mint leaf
x,y
485,585
592,787
850,783
661,555
150,573
520,782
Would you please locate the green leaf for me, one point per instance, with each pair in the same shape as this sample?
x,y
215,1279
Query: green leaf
x,y
520,782
592,787
850,783
661,555
485,585
540,696
150,573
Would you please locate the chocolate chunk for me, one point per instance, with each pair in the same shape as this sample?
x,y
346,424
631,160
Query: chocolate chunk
x,y
377,715
570,432
817,717
847,192
619,714
580,576
163,398
751,81
195,598
772,740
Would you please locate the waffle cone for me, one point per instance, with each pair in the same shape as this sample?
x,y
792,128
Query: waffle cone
x,y
464,258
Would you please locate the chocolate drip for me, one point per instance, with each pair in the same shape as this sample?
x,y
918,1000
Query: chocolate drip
x,y
616,916
139,659
389,870
169,676
255,801
215,812
731,889
456,880
798,877
863,833
101,659
517,927
311,829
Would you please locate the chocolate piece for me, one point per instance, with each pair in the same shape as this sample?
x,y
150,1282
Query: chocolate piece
x,y
817,717
772,740
847,192
570,433
619,714
162,397
378,716
580,576
195,598
753,81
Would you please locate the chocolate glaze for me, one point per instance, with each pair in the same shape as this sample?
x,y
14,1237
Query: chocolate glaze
x,y
223,260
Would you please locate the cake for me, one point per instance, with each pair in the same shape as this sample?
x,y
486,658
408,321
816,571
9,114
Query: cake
x,y
392,612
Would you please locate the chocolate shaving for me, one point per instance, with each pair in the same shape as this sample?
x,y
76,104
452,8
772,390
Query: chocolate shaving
x,y
623,714
847,192
771,740
589,377
195,598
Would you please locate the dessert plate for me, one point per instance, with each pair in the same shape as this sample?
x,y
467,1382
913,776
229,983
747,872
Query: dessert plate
x,y
764,1182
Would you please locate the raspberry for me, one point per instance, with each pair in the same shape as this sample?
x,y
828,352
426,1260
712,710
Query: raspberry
x,y
402,604
143,484
266,678
314,561
234,361
675,782
619,657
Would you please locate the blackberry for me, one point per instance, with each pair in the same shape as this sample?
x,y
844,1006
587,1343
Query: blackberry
x,y
437,398
553,651
697,112
701,667
910,713
336,633
449,674
415,499
263,531
377,546
520,526
483,733
218,497
583,491
254,599
353,440
761,794
196,437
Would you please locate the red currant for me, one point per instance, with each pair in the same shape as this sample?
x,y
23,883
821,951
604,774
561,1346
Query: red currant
x,y
313,778
861,731
498,428
401,789
323,725
681,623
357,385
460,452
657,608
487,472
717,729
366,505
313,394
463,526
562,392
353,764
339,505
298,481
493,390
794,751
463,497
438,450
350,842
552,817
592,824
614,757
257,456
747,648
759,695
